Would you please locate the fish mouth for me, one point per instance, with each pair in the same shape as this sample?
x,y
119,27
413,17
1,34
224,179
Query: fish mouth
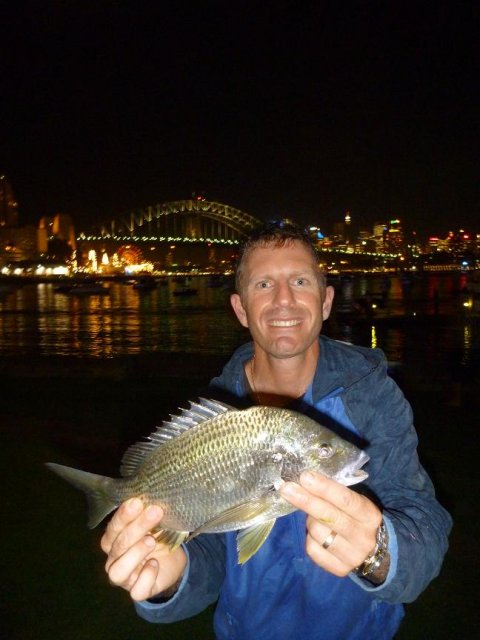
x,y
354,473
357,476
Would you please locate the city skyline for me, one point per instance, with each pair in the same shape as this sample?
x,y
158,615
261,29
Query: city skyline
x,y
304,113
357,228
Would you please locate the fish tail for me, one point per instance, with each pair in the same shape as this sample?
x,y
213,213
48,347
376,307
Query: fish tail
x,y
98,490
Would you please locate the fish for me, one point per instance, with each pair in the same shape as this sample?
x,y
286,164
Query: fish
x,y
214,468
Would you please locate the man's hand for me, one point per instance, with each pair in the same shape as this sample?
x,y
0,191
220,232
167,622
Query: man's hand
x,y
334,509
136,562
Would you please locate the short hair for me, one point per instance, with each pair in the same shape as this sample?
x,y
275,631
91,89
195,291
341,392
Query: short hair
x,y
278,234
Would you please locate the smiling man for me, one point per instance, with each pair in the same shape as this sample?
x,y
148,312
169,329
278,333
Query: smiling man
x,y
340,567
283,301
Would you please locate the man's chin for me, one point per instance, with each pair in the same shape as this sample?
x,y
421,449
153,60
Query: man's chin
x,y
287,348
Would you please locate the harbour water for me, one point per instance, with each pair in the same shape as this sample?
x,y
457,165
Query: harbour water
x,y
431,318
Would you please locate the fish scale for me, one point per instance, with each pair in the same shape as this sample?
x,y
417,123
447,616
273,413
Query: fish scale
x,y
214,468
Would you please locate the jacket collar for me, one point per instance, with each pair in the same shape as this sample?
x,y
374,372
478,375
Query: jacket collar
x,y
340,365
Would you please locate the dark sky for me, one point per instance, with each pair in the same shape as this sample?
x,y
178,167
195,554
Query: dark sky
x,y
304,109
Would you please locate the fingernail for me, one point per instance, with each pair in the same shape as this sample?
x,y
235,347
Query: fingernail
x,y
153,512
149,542
307,477
152,563
288,489
134,505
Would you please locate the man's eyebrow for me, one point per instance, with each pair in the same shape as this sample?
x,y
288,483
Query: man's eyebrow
x,y
293,274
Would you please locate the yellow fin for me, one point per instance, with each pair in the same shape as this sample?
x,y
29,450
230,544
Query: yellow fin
x,y
172,539
251,539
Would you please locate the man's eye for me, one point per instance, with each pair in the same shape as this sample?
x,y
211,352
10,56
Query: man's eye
x,y
263,285
301,281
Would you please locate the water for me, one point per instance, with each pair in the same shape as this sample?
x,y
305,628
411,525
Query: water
x,y
36,320
423,319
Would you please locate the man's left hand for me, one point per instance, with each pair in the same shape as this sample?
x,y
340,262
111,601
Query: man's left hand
x,y
341,524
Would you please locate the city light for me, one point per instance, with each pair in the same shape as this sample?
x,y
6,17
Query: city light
x,y
133,269
204,226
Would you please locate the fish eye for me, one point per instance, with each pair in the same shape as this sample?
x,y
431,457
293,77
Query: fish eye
x,y
325,450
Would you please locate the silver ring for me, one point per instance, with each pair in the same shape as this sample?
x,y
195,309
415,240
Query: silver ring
x,y
329,539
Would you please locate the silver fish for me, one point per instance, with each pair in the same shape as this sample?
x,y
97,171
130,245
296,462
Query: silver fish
x,y
214,468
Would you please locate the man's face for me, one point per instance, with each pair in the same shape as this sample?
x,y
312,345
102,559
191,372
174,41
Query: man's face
x,y
282,301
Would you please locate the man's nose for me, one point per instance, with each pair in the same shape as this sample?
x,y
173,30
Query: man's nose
x,y
284,294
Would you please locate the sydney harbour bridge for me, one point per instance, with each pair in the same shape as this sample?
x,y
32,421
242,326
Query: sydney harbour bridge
x,y
191,233
180,232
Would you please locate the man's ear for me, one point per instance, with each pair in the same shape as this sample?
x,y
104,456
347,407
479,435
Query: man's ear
x,y
240,312
327,302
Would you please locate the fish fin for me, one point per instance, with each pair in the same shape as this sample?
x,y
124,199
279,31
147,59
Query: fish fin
x,y
253,510
172,539
97,490
199,412
251,539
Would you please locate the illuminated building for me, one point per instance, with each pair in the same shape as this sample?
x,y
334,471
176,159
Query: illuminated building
x,y
45,233
348,222
63,229
394,239
379,236
56,236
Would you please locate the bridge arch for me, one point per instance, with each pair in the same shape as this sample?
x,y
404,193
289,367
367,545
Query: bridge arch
x,y
195,220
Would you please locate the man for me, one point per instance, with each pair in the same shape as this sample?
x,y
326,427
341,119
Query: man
x,y
339,567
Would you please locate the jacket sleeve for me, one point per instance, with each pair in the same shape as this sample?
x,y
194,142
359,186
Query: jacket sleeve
x,y
200,584
419,526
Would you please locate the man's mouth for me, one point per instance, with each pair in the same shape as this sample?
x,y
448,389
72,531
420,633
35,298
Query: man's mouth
x,y
284,323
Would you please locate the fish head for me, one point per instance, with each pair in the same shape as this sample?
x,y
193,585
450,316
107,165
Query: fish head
x,y
332,456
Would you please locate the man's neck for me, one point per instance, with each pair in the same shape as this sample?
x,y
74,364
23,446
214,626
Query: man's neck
x,y
279,381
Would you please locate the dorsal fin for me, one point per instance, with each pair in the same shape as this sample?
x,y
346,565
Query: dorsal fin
x,y
199,412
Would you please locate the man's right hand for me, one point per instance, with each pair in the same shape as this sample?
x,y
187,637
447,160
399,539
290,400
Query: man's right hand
x,y
136,562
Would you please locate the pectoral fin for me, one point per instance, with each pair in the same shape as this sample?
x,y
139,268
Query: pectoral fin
x,y
251,511
251,539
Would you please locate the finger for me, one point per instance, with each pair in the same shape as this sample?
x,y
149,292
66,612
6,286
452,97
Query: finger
x,y
311,504
348,501
325,558
329,543
126,513
327,500
161,570
122,570
145,584
134,532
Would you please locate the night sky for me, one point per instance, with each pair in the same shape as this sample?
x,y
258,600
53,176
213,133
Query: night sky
x,y
300,109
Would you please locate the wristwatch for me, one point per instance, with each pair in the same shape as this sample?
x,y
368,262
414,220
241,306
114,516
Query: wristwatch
x,y
373,562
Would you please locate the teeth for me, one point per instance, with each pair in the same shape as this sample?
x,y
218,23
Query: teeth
x,y
284,323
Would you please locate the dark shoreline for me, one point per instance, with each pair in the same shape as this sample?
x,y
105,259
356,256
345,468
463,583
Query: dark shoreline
x,y
154,365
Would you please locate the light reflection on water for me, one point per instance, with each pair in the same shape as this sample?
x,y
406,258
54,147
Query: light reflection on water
x,y
36,320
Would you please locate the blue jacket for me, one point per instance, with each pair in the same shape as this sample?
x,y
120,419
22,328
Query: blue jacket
x,y
280,593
